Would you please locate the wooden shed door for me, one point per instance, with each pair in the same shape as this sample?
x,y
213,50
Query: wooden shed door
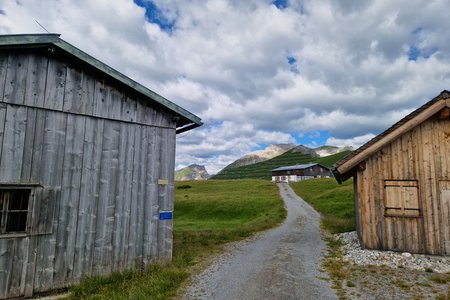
x,y
445,214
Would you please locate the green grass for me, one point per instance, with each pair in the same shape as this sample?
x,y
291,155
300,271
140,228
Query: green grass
x,y
182,173
440,278
329,161
156,282
207,214
214,212
262,170
334,265
332,200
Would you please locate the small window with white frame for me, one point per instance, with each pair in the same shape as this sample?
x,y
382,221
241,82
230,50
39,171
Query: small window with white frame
x,y
14,207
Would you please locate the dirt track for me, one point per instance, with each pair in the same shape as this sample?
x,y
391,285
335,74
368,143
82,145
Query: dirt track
x,y
282,263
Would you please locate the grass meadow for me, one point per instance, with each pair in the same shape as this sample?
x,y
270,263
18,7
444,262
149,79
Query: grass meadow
x,y
334,202
207,215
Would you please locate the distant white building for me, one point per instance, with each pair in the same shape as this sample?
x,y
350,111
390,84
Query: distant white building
x,y
300,172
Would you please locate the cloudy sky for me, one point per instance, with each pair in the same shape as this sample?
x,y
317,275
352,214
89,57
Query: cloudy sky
x,y
257,72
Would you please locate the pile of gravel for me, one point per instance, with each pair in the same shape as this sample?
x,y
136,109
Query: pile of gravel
x,y
362,257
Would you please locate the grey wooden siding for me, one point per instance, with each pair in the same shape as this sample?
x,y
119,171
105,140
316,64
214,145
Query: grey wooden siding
x,y
38,81
96,155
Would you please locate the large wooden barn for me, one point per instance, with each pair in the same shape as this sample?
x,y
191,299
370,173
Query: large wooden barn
x,y
300,172
402,183
86,167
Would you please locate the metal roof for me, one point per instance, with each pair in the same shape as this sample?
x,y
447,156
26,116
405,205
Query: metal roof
x,y
298,167
186,121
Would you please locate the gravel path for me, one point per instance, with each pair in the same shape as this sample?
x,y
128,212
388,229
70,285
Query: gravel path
x,y
282,263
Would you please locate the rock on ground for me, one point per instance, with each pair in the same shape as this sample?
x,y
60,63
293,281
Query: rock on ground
x,y
372,274
363,257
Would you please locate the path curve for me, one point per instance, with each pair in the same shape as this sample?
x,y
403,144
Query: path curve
x,y
282,263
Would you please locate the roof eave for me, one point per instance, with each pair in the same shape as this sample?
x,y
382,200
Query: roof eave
x,y
188,127
29,39
128,81
346,169
54,39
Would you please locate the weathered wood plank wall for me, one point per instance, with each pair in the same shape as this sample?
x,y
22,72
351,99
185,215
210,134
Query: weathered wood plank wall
x,y
420,155
38,81
96,153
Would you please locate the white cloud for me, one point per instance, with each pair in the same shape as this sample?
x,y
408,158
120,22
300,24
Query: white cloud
x,y
354,142
217,145
227,61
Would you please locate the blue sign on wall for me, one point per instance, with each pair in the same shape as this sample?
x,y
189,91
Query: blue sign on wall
x,y
165,215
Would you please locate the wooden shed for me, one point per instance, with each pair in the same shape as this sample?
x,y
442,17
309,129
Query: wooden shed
x,y
86,167
300,172
402,183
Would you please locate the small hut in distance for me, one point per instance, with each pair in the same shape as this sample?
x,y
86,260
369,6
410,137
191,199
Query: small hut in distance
x,y
402,183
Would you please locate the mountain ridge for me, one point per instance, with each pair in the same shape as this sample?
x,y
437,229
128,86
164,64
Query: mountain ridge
x,y
267,153
258,164
274,150
262,170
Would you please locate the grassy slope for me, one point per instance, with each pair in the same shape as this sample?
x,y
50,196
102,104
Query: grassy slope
x,y
329,161
182,173
262,170
333,201
207,214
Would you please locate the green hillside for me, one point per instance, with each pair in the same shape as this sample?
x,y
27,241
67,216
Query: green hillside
x,y
180,174
329,161
262,170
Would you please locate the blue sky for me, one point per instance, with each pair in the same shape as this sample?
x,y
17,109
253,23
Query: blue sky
x,y
313,138
258,72
280,3
155,15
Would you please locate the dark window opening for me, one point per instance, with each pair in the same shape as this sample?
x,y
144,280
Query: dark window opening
x,y
14,205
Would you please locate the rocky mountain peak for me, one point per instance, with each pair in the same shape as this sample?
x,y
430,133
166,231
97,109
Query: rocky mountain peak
x,y
192,172
267,153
